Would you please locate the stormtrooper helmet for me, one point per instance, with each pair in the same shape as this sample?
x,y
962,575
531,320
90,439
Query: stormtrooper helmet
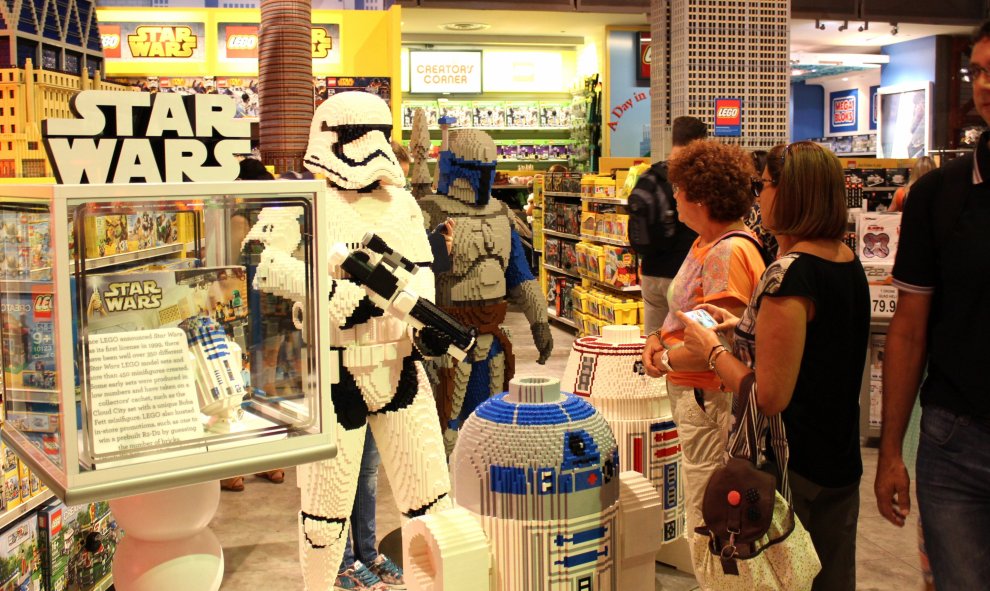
x,y
468,164
349,142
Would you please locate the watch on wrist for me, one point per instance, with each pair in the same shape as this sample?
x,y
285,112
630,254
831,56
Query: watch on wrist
x,y
665,360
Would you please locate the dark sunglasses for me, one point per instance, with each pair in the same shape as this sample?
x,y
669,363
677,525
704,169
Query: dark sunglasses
x,y
757,183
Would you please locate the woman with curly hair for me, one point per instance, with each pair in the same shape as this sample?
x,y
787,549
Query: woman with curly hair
x,y
713,187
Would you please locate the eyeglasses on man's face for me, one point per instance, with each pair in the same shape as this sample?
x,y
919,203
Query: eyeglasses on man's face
x,y
973,72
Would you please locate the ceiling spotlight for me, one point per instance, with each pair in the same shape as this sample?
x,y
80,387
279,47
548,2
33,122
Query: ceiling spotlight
x,y
465,26
819,25
844,26
865,26
893,28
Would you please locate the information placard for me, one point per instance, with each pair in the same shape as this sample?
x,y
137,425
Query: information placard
x,y
141,389
437,72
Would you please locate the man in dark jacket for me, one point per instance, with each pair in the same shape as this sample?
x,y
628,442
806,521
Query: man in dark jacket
x,y
656,233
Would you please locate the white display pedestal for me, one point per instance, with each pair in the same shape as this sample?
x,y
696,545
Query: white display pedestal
x,y
167,544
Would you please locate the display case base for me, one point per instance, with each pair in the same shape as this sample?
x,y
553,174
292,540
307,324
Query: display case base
x,y
167,544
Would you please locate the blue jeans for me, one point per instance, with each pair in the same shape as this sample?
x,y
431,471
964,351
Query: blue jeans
x,y
363,513
954,497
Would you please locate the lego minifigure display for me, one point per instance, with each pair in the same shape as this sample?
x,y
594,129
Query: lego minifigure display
x,y
489,268
380,381
540,504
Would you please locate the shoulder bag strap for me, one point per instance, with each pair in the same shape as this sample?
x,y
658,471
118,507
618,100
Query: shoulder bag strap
x,y
751,427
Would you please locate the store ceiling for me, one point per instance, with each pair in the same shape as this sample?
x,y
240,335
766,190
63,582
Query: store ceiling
x,y
422,24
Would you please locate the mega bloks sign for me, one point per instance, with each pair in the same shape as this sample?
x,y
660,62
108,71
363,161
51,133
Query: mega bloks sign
x,y
126,137
728,117
843,111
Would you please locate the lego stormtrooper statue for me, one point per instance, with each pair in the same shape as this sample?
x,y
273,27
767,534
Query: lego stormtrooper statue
x,y
381,382
488,266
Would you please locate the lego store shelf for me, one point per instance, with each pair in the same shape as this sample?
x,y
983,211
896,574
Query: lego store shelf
x,y
559,194
604,240
19,286
138,255
626,289
103,585
566,321
553,269
607,201
561,234
12,515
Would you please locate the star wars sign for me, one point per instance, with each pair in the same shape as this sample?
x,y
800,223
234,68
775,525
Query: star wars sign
x,y
128,137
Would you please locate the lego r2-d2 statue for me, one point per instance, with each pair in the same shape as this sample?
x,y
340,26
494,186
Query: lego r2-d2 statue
x,y
607,370
540,503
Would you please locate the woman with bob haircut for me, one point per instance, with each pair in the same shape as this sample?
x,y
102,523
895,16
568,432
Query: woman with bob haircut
x,y
804,334
713,187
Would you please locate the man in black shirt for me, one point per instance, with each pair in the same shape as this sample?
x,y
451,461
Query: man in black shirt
x,y
657,235
941,271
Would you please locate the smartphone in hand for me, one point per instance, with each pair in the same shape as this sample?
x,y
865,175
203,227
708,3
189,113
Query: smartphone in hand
x,y
702,317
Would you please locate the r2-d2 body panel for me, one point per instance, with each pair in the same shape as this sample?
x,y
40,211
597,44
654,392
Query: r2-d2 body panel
x,y
608,371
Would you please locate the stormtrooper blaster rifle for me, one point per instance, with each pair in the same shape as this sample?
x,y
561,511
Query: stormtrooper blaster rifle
x,y
386,282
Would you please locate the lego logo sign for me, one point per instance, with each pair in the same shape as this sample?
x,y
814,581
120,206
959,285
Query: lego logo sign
x,y
728,117
110,40
242,41
43,306
844,108
645,57
727,113
56,524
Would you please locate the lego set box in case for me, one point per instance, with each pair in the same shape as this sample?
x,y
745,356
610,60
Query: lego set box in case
x,y
157,335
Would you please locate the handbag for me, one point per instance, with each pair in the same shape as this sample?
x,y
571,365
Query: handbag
x,y
751,538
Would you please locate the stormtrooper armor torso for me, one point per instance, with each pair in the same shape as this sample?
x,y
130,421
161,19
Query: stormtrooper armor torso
x,y
373,349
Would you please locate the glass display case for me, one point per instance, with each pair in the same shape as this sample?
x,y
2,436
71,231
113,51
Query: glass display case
x,y
158,335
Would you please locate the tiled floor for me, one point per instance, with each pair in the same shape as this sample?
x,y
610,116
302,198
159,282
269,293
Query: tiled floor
x,y
257,527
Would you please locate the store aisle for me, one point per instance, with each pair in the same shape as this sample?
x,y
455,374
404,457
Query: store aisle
x,y
257,527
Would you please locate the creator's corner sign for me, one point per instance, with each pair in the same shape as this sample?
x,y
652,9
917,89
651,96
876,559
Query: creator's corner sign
x,y
127,137
844,109
728,117
445,71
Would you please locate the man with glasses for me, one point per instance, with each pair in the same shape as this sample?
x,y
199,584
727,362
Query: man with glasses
x,y
940,271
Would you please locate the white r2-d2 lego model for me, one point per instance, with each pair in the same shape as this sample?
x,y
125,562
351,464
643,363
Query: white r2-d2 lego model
x,y
540,504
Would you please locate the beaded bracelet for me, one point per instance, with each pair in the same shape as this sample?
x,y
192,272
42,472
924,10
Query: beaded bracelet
x,y
713,356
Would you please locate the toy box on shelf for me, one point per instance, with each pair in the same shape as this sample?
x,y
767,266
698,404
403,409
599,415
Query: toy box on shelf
x,y
144,369
76,544
19,556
